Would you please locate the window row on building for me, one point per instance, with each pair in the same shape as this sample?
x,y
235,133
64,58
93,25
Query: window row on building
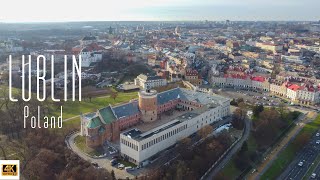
x,y
163,137
129,144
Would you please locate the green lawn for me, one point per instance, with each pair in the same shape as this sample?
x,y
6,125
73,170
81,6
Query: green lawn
x,y
71,109
230,171
126,163
80,142
288,154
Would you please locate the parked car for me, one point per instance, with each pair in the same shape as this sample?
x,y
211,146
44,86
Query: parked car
x,y
113,162
318,134
129,168
120,166
318,142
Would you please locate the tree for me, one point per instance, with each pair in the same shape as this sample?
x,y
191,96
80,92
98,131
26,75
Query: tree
x,y
244,147
114,95
181,170
257,109
87,92
113,176
238,118
282,109
234,102
205,131
301,140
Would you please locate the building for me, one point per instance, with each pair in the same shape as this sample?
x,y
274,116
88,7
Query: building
x,y
149,82
292,59
92,53
270,47
278,87
244,81
193,77
88,40
201,109
106,124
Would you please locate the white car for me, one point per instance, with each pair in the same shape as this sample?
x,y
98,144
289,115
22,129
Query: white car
x,y
318,134
313,175
300,164
120,166
318,142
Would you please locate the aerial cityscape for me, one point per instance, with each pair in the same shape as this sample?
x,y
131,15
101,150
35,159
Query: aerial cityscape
x,y
163,92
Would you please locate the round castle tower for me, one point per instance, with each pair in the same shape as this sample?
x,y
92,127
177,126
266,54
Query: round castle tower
x,y
148,105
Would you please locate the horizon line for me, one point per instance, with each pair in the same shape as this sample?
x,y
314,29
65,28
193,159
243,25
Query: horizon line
x,y
204,20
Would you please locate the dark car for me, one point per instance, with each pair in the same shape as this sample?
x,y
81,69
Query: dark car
x,y
113,162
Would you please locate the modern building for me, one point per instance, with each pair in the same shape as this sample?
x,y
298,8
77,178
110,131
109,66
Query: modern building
x,y
106,124
201,109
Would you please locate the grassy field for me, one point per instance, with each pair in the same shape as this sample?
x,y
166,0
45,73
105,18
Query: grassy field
x,y
80,142
71,109
230,171
288,154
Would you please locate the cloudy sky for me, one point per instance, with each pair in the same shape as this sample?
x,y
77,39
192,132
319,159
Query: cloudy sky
x,y
121,10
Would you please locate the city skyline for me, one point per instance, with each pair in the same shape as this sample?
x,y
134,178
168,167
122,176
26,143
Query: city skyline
x,y
156,10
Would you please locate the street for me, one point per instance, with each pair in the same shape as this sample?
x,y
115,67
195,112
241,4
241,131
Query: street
x,y
305,157
234,150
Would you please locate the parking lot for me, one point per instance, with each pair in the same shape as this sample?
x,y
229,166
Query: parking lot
x,y
251,97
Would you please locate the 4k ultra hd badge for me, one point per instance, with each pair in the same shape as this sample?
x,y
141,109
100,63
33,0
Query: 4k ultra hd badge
x,y
9,169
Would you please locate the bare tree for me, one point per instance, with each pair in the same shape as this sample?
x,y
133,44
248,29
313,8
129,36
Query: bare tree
x,y
205,131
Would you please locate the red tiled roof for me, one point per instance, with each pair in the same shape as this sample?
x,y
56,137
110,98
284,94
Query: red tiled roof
x,y
294,87
258,78
235,76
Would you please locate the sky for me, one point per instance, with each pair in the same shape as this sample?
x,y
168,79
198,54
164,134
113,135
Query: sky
x,y
158,10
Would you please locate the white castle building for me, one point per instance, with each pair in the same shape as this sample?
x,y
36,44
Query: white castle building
x,y
201,109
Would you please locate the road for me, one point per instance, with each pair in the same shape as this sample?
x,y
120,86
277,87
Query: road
x,y
317,172
102,162
307,155
233,151
263,166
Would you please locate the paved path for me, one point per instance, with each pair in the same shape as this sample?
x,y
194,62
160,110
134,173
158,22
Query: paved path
x,y
102,162
233,151
263,167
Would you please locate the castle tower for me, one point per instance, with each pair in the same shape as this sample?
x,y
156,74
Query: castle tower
x,y
148,105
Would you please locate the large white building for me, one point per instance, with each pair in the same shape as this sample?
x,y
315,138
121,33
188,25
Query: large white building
x,y
89,56
148,82
139,146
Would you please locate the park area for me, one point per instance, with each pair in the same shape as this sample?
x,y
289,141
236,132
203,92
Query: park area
x,y
269,126
289,153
